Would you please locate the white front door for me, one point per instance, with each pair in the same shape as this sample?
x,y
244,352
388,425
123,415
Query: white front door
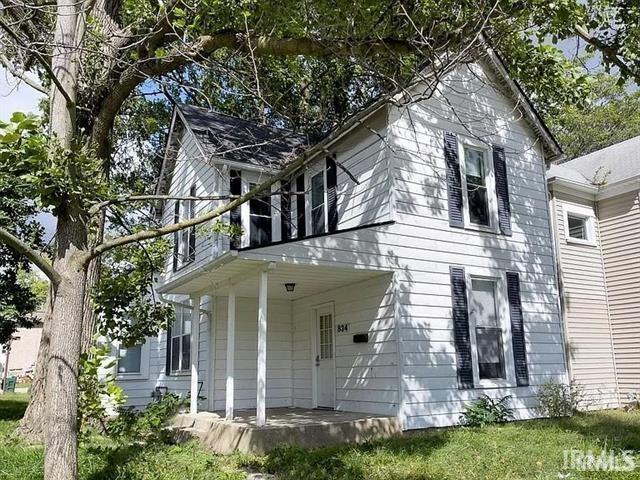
x,y
325,366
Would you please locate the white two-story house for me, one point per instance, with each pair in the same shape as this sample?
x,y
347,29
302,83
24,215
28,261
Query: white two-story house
x,y
405,269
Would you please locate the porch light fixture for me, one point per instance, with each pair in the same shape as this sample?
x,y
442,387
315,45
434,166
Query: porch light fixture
x,y
290,287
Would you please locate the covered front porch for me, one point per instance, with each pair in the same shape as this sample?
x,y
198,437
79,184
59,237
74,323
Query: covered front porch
x,y
308,428
288,337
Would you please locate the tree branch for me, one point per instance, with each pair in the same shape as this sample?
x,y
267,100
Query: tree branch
x,y
21,75
143,198
35,257
42,62
176,227
609,53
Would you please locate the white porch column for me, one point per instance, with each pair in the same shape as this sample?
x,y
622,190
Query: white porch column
x,y
195,343
261,386
231,351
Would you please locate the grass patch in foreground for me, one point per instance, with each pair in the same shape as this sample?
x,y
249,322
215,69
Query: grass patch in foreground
x,y
102,459
521,450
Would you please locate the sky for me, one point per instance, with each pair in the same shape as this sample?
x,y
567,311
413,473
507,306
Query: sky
x,y
19,97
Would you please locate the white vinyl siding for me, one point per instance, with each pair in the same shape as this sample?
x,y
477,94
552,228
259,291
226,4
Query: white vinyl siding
x,y
619,220
425,246
585,304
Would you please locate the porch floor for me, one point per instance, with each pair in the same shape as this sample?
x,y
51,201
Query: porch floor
x,y
294,426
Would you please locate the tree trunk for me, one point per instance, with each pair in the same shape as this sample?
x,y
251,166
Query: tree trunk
x,y
32,425
61,451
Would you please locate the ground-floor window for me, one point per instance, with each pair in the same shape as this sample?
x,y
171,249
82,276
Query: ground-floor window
x,y
181,340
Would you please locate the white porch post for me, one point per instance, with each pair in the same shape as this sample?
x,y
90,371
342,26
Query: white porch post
x,y
231,347
195,342
261,387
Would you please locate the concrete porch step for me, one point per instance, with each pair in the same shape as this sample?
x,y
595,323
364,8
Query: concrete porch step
x,y
306,428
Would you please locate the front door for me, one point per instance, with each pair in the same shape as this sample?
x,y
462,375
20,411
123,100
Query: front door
x,y
326,377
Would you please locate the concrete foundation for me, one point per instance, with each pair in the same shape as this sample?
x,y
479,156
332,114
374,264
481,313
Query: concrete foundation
x,y
292,426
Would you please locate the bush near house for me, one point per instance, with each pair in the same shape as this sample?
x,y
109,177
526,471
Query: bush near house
x,y
517,450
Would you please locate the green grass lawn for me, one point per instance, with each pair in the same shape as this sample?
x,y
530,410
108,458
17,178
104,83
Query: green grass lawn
x,y
522,450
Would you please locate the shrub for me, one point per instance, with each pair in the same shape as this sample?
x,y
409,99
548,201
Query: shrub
x,y
485,411
559,399
148,425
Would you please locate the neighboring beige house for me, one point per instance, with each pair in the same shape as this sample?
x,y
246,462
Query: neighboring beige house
x,y
595,200
23,352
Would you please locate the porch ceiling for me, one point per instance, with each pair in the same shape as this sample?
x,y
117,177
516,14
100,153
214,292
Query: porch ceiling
x,y
242,270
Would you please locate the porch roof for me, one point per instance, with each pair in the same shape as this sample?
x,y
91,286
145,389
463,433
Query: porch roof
x,y
241,269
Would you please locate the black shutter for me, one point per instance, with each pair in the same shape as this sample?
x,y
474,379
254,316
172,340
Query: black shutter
x,y
454,181
302,223
176,235
167,366
502,190
192,230
332,197
517,329
235,217
285,211
461,328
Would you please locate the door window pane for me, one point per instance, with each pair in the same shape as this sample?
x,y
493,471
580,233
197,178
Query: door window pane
x,y
476,186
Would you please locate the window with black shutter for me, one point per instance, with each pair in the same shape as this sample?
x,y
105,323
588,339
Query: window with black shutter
x,y
184,246
317,203
235,217
301,219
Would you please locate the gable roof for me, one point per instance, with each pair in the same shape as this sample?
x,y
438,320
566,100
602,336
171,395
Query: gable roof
x,y
612,164
234,139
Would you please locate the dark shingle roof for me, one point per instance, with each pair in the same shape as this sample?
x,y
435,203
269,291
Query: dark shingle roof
x,y
244,141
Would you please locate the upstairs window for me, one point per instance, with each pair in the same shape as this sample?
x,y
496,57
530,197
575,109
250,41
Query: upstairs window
x,y
317,203
485,322
184,241
580,224
260,219
181,340
475,166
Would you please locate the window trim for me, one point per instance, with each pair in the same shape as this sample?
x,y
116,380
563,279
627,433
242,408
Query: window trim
x,y
143,374
504,320
492,200
586,213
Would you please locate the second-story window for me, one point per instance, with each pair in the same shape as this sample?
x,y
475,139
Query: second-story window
x,y
184,249
260,220
476,179
317,203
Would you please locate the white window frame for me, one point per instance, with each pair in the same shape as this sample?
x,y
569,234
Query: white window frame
x,y
185,370
588,215
490,179
504,320
184,235
143,374
312,172
247,178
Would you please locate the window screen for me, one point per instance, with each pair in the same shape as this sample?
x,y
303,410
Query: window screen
x,y
488,331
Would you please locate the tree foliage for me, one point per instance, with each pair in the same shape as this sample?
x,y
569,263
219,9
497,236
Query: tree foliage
x,y
18,299
610,115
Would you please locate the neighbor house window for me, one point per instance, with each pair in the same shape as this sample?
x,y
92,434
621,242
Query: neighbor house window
x,y
181,340
260,219
476,170
580,224
484,319
185,240
317,203
129,359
